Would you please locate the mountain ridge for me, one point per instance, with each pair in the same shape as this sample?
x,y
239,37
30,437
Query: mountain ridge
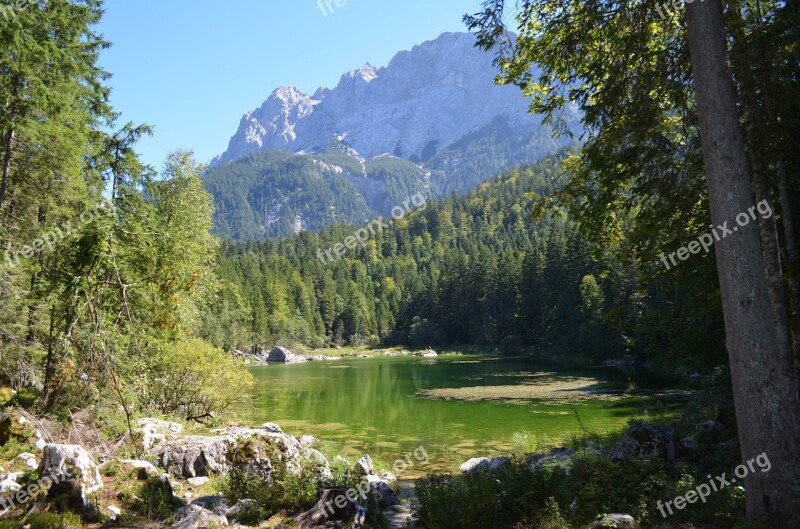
x,y
436,107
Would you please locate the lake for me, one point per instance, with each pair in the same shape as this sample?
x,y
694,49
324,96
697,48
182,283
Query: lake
x,y
456,407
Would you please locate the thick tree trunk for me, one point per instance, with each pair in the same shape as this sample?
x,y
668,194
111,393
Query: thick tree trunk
x,y
764,378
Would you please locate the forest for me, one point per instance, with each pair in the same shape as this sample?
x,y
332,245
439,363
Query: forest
x,y
129,294
474,270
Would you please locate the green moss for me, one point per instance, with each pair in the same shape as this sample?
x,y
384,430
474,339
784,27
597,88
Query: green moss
x,y
6,394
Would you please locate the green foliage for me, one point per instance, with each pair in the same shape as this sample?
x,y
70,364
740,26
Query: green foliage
x,y
46,520
518,497
151,497
196,381
262,194
525,442
14,447
282,491
466,270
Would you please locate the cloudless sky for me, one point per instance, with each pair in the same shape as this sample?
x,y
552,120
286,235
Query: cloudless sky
x,y
192,68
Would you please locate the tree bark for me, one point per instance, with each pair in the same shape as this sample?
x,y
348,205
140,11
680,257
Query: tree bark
x,y
792,257
9,146
764,379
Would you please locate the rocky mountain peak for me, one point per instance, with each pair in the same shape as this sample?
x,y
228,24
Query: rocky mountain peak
x,y
424,100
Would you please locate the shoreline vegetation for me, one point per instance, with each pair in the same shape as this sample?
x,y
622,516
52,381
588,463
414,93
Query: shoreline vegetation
x,y
157,477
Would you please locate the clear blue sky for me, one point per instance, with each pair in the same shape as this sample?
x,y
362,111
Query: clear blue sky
x,y
192,68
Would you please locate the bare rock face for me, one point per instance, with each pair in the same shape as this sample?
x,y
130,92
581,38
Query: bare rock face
x,y
643,440
416,102
70,471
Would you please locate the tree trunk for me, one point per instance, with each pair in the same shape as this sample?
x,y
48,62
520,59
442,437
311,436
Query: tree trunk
x,y
6,165
764,379
792,257
9,146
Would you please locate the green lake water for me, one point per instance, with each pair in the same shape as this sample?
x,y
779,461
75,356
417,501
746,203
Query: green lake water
x,y
374,406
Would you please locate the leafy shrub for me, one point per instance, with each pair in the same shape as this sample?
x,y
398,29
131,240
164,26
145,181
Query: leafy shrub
x,y
283,491
515,497
151,497
196,381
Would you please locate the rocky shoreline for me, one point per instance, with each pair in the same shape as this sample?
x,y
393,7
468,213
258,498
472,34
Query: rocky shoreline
x,y
181,469
282,355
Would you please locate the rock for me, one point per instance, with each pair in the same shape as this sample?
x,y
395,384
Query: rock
x,y
475,464
161,486
284,356
145,469
364,466
643,440
711,427
196,517
556,455
614,521
388,477
115,511
195,456
271,427
307,441
29,460
156,431
316,462
217,504
499,462
430,353
384,495
9,485
242,511
198,482
71,470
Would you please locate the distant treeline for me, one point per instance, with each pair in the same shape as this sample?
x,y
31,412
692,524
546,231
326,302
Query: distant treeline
x,y
489,268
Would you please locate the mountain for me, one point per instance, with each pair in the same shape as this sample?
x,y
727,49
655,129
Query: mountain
x,y
431,121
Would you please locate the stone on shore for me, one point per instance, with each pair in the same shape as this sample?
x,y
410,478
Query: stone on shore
x,y
71,471
614,521
643,441
283,355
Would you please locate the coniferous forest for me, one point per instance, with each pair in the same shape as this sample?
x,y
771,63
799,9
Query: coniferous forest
x,y
538,272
